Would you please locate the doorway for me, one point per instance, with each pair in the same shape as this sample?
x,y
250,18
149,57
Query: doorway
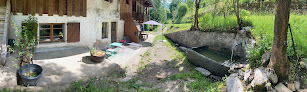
x,y
113,32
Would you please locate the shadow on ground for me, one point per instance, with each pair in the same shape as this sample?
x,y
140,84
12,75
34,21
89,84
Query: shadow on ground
x,y
52,53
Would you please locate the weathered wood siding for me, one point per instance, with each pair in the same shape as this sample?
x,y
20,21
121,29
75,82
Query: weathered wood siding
x,y
2,3
125,8
50,7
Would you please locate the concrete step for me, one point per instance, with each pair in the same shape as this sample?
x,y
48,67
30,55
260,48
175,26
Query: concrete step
x,y
2,9
1,30
2,19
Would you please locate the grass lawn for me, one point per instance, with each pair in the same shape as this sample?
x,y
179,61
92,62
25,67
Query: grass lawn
x,y
263,30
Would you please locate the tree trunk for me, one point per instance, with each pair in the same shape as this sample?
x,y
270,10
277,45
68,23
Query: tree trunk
x,y
196,14
278,60
236,9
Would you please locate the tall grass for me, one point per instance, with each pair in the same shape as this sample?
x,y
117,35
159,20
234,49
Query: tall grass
x,y
217,22
263,30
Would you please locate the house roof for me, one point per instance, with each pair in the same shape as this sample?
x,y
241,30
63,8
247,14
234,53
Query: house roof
x,y
149,3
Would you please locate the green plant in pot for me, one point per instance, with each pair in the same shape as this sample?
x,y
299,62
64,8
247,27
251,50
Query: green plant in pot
x,y
97,55
25,45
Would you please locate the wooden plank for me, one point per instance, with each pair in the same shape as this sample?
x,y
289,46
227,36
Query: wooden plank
x,y
42,9
55,6
84,8
62,7
50,7
69,7
31,6
14,6
19,6
73,32
77,7
2,3
25,7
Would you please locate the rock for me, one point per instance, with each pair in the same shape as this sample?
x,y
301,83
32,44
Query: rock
x,y
124,79
297,85
282,88
303,64
291,86
272,75
260,78
269,87
251,77
302,90
180,69
241,74
246,75
232,70
138,82
234,84
203,71
159,77
237,66
266,58
216,77
272,91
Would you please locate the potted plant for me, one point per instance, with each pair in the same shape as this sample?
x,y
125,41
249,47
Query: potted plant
x,y
97,55
25,46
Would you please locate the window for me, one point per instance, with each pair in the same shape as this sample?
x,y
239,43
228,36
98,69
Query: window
x,y
109,1
127,1
134,6
104,30
52,32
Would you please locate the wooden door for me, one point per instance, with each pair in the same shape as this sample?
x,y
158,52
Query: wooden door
x,y
113,32
73,32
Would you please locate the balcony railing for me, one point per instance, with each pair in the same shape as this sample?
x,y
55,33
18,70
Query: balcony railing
x,y
146,17
140,16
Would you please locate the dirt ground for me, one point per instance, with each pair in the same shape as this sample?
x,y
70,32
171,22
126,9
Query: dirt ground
x,y
159,64
155,67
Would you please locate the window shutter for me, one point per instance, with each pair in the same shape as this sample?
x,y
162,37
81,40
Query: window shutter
x,y
73,32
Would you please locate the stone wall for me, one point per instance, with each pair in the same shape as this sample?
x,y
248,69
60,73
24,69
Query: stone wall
x,y
218,41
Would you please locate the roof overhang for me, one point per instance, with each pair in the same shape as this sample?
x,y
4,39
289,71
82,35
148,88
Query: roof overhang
x,y
149,3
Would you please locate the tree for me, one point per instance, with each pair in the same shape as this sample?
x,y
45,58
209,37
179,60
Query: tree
x,y
236,10
278,60
197,2
182,11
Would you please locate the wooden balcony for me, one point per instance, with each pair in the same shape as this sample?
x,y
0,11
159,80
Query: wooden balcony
x,y
140,17
146,17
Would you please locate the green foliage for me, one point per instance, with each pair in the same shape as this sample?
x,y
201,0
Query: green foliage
x,y
26,38
93,51
182,10
218,22
263,28
200,83
178,27
255,53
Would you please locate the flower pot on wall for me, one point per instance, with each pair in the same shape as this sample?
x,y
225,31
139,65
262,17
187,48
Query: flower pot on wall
x,y
30,81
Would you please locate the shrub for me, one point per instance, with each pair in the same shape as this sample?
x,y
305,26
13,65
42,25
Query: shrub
x,y
182,10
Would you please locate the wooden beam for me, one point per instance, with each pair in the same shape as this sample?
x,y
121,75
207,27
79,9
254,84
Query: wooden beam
x,y
62,7
69,7
77,7
50,7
